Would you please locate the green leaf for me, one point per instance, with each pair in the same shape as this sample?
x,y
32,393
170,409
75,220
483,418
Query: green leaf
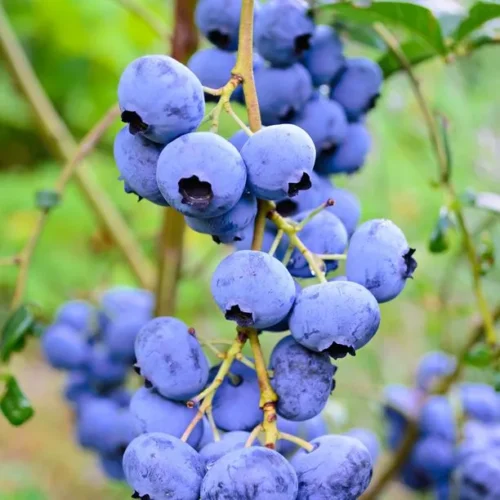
x,y
486,253
480,13
14,404
18,325
359,33
417,20
439,241
414,50
479,356
46,199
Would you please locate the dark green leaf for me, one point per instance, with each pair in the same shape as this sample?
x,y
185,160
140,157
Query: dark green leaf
x,y
479,356
14,404
17,326
418,20
414,50
439,241
496,381
45,200
480,13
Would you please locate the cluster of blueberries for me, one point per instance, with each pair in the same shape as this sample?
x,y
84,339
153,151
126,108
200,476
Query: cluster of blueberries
x,y
313,101
457,453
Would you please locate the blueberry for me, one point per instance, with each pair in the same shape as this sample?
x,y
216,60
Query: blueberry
x,y
161,467
201,175
324,234
308,430
171,358
228,227
477,437
437,419
160,98
480,401
104,371
357,86
104,427
136,159
339,467
369,439
414,477
303,379
219,21
236,402
253,289
338,317
213,68
127,300
283,325
380,259
478,478
256,473
432,367
120,396
78,387
279,160
348,156
112,467
435,457
230,441
64,348
325,122
268,239
324,60
239,139
346,207
283,31
154,413
282,93
77,314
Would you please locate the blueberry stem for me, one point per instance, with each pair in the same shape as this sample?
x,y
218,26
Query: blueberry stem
x,y
253,435
332,256
313,213
230,111
298,441
211,421
276,242
204,407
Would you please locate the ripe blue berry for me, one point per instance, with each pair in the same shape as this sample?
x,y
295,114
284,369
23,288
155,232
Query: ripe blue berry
x,y
219,21
268,239
256,473
171,359
338,317
77,314
437,418
282,31
64,348
357,86
283,325
136,159
325,122
104,371
207,434
229,442
346,207
436,457
380,259
228,227
112,467
308,430
282,92
339,467
160,98
127,300
432,367
480,402
239,139
348,156
154,413
201,175
236,402
369,439
324,60
303,379
161,467
279,160
478,478
324,234
253,289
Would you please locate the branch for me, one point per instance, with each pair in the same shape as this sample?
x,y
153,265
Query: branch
x,y
64,147
148,18
88,143
445,181
184,43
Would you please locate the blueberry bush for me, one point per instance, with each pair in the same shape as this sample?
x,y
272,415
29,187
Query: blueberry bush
x,y
175,413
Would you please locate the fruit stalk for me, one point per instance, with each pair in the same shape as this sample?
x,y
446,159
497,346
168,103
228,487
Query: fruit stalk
x,y
445,182
184,44
64,147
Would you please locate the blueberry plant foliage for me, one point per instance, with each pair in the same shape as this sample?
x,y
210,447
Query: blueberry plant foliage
x,y
246,428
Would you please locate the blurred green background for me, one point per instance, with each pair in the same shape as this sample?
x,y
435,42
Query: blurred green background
x,y
78,49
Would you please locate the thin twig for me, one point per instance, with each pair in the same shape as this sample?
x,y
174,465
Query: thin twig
x,y
149,18
64,147
276,242
230,111
296,440
253,435
86,147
